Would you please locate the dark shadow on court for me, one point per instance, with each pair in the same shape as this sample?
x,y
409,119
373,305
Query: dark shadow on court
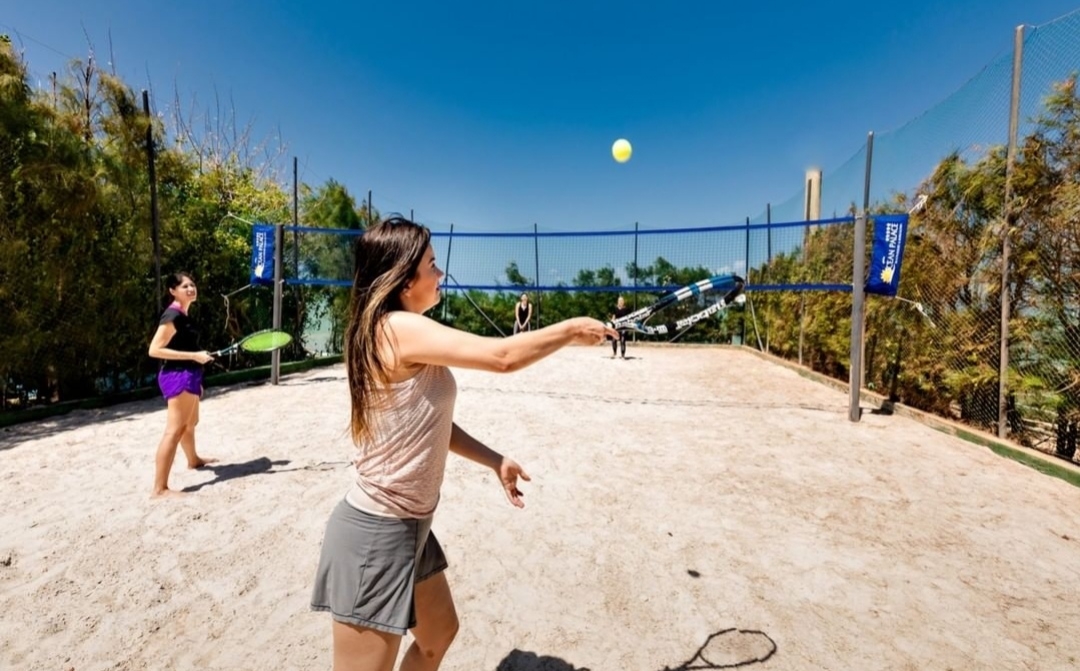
x,y
887,408
725,649
60,419
15,434
316,380
519,660
225,472
48,420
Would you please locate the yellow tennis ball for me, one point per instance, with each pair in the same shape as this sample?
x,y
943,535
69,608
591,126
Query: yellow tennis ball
x,y
621,150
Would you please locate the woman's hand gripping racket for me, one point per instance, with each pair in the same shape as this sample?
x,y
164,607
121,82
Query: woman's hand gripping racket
x,y
732,285
261,341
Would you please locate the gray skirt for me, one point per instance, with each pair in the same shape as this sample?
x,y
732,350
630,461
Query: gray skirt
x,y
369,567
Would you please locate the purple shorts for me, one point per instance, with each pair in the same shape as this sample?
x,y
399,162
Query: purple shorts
x,y
175,382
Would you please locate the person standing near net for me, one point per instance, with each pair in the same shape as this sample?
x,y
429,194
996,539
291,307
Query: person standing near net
x,y
380,571
620,342
523,314
180,378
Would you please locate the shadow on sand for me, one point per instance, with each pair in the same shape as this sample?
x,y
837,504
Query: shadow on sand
x,y
725,649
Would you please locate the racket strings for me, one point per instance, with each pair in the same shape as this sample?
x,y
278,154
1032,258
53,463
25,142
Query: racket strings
x,y
266,341
259,342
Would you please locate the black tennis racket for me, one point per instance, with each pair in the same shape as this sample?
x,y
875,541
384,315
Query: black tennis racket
x,y
731,286
730,649
261,341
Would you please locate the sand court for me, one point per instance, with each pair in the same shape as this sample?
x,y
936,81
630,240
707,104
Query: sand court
x,y
691,508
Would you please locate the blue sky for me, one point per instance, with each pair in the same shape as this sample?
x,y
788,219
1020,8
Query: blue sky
x,y
498,115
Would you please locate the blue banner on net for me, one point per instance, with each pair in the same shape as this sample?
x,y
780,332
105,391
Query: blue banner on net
x,y
890,232
262,254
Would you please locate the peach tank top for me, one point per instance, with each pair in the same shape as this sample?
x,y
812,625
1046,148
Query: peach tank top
x,y
400,471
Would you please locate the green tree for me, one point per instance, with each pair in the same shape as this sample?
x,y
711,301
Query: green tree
x,y
328,256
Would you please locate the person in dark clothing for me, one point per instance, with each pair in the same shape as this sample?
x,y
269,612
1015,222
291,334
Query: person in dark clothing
x,y
522,314
176,343
620,311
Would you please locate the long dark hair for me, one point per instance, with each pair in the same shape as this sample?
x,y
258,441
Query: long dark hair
x,y
176,279
387,257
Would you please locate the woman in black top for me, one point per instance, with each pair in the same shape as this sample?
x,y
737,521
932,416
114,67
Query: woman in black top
x,y
176,343
522,314
620,311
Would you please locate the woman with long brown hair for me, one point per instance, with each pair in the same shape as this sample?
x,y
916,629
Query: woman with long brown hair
x,y
380,571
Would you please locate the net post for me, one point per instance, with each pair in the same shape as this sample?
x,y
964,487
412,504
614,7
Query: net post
x,y
275,356
1010,162
296,217
746,266
298,293
446,277
633,336
858,296
536,281
636,226
764,275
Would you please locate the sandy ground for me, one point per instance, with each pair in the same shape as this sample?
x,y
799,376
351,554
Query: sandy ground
x,y
691,508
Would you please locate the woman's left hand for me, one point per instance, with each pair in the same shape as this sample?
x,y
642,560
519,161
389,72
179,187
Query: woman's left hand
x,y
509,472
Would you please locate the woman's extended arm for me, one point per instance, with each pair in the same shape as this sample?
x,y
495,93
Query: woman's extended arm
x,y
415,339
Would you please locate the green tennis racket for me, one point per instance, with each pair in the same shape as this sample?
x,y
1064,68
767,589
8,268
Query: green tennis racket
x,y
261,341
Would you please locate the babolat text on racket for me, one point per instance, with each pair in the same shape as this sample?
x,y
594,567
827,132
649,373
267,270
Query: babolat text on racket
x,y
731,286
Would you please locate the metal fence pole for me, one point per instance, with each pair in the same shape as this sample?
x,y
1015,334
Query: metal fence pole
x,y
446,277
536,282
746,265
858,271
636,269
1010,219
299,294
296,217
764,277
803,273
275,357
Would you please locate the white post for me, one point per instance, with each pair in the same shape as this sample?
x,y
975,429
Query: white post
x,y
813,194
